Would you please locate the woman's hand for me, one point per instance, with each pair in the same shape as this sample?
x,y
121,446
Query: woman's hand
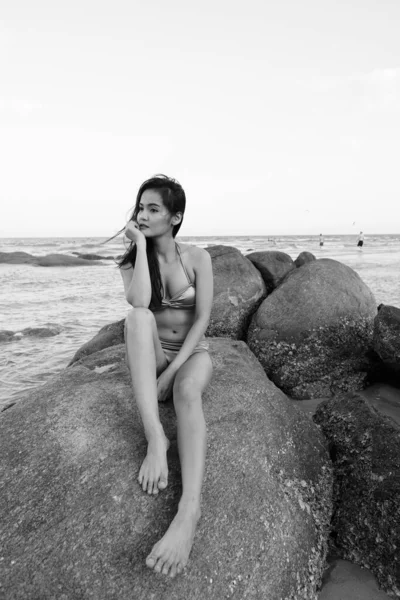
x,y
165,384
133,232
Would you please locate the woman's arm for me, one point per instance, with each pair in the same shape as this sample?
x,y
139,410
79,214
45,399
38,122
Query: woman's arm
x,y
136,280
204,299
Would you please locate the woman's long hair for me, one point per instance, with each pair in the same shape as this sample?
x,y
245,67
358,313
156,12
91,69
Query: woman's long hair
x,y
174,200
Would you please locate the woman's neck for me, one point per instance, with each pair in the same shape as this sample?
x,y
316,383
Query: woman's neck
x,y
165,248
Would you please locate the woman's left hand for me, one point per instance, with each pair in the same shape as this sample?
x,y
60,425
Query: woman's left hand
x,y
165,384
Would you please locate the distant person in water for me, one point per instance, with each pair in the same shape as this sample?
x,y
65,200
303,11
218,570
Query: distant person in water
x,y
321,240
170,288
360,241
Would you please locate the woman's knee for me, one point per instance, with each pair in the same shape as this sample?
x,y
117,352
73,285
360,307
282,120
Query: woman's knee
x,y
186,390
137,317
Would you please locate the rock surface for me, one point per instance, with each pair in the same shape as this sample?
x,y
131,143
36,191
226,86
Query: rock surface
x,y
387,337
238,290
365,448
304,258
312,334
273,266
75,523
109,335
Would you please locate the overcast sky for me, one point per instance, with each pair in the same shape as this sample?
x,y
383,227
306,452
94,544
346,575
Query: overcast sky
x,y
277,116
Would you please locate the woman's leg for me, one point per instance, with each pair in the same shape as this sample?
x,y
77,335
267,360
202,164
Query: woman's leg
x,y
146,360
171,553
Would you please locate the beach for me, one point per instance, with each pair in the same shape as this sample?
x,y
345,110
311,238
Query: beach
x,y
68,305
50,312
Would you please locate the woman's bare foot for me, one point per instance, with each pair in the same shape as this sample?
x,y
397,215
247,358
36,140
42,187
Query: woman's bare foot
x,y
170,555
153,474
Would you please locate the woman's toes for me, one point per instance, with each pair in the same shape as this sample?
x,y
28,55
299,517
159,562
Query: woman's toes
x,y
166,567
154,488
159,565
163,482
179,568
173,571
151,561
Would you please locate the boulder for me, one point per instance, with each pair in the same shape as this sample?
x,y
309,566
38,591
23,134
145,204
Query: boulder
x,y
386,339
312,334
273,266
109,335
238,290
75,523
365,448
16,258
6,335
304,258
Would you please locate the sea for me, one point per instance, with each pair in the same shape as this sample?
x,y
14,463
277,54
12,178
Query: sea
x,y
52,311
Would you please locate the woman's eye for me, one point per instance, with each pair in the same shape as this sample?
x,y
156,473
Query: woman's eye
x,y
154,210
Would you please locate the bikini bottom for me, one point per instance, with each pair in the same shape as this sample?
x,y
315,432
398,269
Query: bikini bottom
x,y
171,349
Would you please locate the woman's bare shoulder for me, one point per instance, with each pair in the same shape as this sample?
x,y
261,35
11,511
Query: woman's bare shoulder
x,y
194,256
193,252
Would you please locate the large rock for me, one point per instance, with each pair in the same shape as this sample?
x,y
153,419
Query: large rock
x,y
273,266
75,523
304,258
313,332
238,290
109,335
387,337
365,447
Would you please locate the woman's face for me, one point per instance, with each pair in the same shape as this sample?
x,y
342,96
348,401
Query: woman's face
x,y
153,217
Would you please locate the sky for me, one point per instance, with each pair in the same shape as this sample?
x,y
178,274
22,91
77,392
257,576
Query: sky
x,y
277,117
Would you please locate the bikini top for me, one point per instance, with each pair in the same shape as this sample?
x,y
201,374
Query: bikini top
x,y
185,299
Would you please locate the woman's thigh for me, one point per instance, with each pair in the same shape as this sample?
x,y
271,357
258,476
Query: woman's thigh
x,y
194,375
145,318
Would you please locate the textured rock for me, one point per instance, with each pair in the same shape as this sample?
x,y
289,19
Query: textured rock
x,y
238,290
304,258
273,266
365,447
75,523
6,335
313,332
386,339
109,335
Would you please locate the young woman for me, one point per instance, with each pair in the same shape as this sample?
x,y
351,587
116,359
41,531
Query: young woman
x,y
170,287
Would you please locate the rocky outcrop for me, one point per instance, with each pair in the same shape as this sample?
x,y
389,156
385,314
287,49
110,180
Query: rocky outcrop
x,y
75,524
109,335
273,266
50,260
304,258
238,290
365,448
312,333
386,340
42,332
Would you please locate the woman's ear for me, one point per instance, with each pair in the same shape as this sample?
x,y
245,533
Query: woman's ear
x,y
177,218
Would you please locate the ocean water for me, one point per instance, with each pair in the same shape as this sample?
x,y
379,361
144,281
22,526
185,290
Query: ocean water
x,y
73,303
